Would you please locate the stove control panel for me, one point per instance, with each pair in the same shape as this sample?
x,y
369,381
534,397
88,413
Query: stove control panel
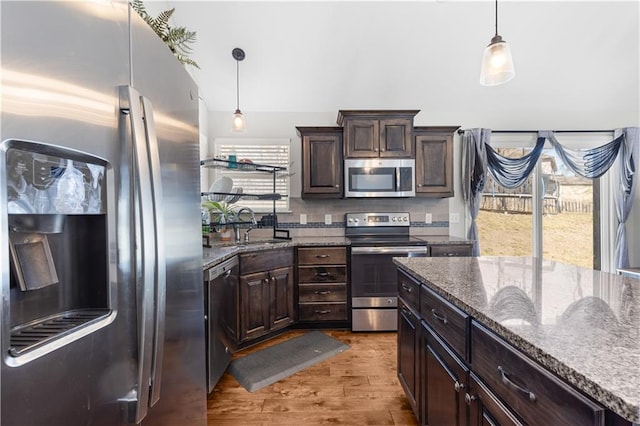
x,y
353,220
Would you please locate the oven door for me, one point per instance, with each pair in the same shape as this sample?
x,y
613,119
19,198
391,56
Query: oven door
x,y
374,287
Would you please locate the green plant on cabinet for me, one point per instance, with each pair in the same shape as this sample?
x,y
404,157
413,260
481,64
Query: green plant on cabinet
x,y
177,39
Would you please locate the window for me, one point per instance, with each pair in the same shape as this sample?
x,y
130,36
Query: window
x,y
505,224
564,225
272,152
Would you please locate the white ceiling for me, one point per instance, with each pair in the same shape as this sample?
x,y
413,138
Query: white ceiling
x,y
311,56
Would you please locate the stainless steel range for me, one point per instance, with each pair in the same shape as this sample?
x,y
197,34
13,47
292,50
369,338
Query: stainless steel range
x,y
375,239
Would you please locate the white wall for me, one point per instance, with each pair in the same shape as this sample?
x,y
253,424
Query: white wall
x,y
577,67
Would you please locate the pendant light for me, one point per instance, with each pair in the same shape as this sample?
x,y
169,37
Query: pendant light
x,y
497,63
238,123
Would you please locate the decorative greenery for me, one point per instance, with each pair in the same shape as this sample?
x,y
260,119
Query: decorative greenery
x,y
177,39
222,212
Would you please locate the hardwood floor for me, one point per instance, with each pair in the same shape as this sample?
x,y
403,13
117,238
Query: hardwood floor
x,y
356,387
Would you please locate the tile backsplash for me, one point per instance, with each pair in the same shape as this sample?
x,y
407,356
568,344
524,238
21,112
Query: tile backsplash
x,y
317,209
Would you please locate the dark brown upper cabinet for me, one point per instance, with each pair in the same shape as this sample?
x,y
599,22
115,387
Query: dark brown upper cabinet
x,y
379,133
321,162
434,161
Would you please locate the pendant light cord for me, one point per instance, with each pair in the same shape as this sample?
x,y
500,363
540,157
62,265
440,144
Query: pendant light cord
x,y
496,17
237,84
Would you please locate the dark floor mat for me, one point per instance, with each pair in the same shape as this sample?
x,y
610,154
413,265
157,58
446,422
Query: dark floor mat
x,y
262,368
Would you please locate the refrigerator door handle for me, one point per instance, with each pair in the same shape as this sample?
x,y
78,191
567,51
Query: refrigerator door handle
x,y
160,263
138,400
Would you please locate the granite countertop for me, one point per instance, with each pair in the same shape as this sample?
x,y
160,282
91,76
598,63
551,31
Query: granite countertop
x,y
220,252
581,324
442,239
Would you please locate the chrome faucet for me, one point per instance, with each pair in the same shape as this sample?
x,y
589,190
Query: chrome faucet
x,y
253,223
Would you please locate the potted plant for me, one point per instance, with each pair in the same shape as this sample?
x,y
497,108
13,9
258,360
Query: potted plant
x,y
221,214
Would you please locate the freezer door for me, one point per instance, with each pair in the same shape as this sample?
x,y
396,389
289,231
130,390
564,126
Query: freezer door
x,y
62,63
178,379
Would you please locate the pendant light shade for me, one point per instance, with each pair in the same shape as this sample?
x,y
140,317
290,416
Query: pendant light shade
x,y
238,123
497,63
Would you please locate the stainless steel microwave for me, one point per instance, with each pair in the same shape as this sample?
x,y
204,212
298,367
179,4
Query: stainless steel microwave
x,y
388,177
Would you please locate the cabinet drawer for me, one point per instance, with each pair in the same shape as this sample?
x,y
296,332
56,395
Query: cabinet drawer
x,y
265,260
448,321
450,250
322,312
535,395
322,274
322,293
322,256
409,290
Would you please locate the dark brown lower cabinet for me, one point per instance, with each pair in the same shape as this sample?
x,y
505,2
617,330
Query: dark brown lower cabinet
x,y
322,286
444,382
485,409
408,350
533,393
254,311
264,300
466,374
267,302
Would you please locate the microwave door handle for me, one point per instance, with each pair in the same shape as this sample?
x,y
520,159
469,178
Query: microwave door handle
x,y
138,402
160,259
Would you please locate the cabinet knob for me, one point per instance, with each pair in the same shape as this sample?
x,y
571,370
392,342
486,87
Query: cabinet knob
x,y
458,386
337,186
419,185
469,398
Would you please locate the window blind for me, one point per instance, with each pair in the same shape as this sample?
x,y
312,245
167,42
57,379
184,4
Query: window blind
x,y
257,182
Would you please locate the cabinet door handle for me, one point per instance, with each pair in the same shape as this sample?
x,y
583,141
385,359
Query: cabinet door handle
x,y
439,316
327,311
419,185
458,386
406,288
507,381
469,398
337,186
322,256
323,292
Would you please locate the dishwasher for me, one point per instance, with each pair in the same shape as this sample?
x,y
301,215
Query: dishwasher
x,y
220,281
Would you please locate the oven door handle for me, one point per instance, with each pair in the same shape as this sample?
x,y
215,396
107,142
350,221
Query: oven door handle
x,y
390,250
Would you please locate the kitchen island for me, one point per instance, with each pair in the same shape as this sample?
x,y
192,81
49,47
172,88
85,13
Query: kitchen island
x,y
581,325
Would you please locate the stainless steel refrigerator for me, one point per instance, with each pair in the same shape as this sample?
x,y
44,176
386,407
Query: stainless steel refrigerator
x,y
100,252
